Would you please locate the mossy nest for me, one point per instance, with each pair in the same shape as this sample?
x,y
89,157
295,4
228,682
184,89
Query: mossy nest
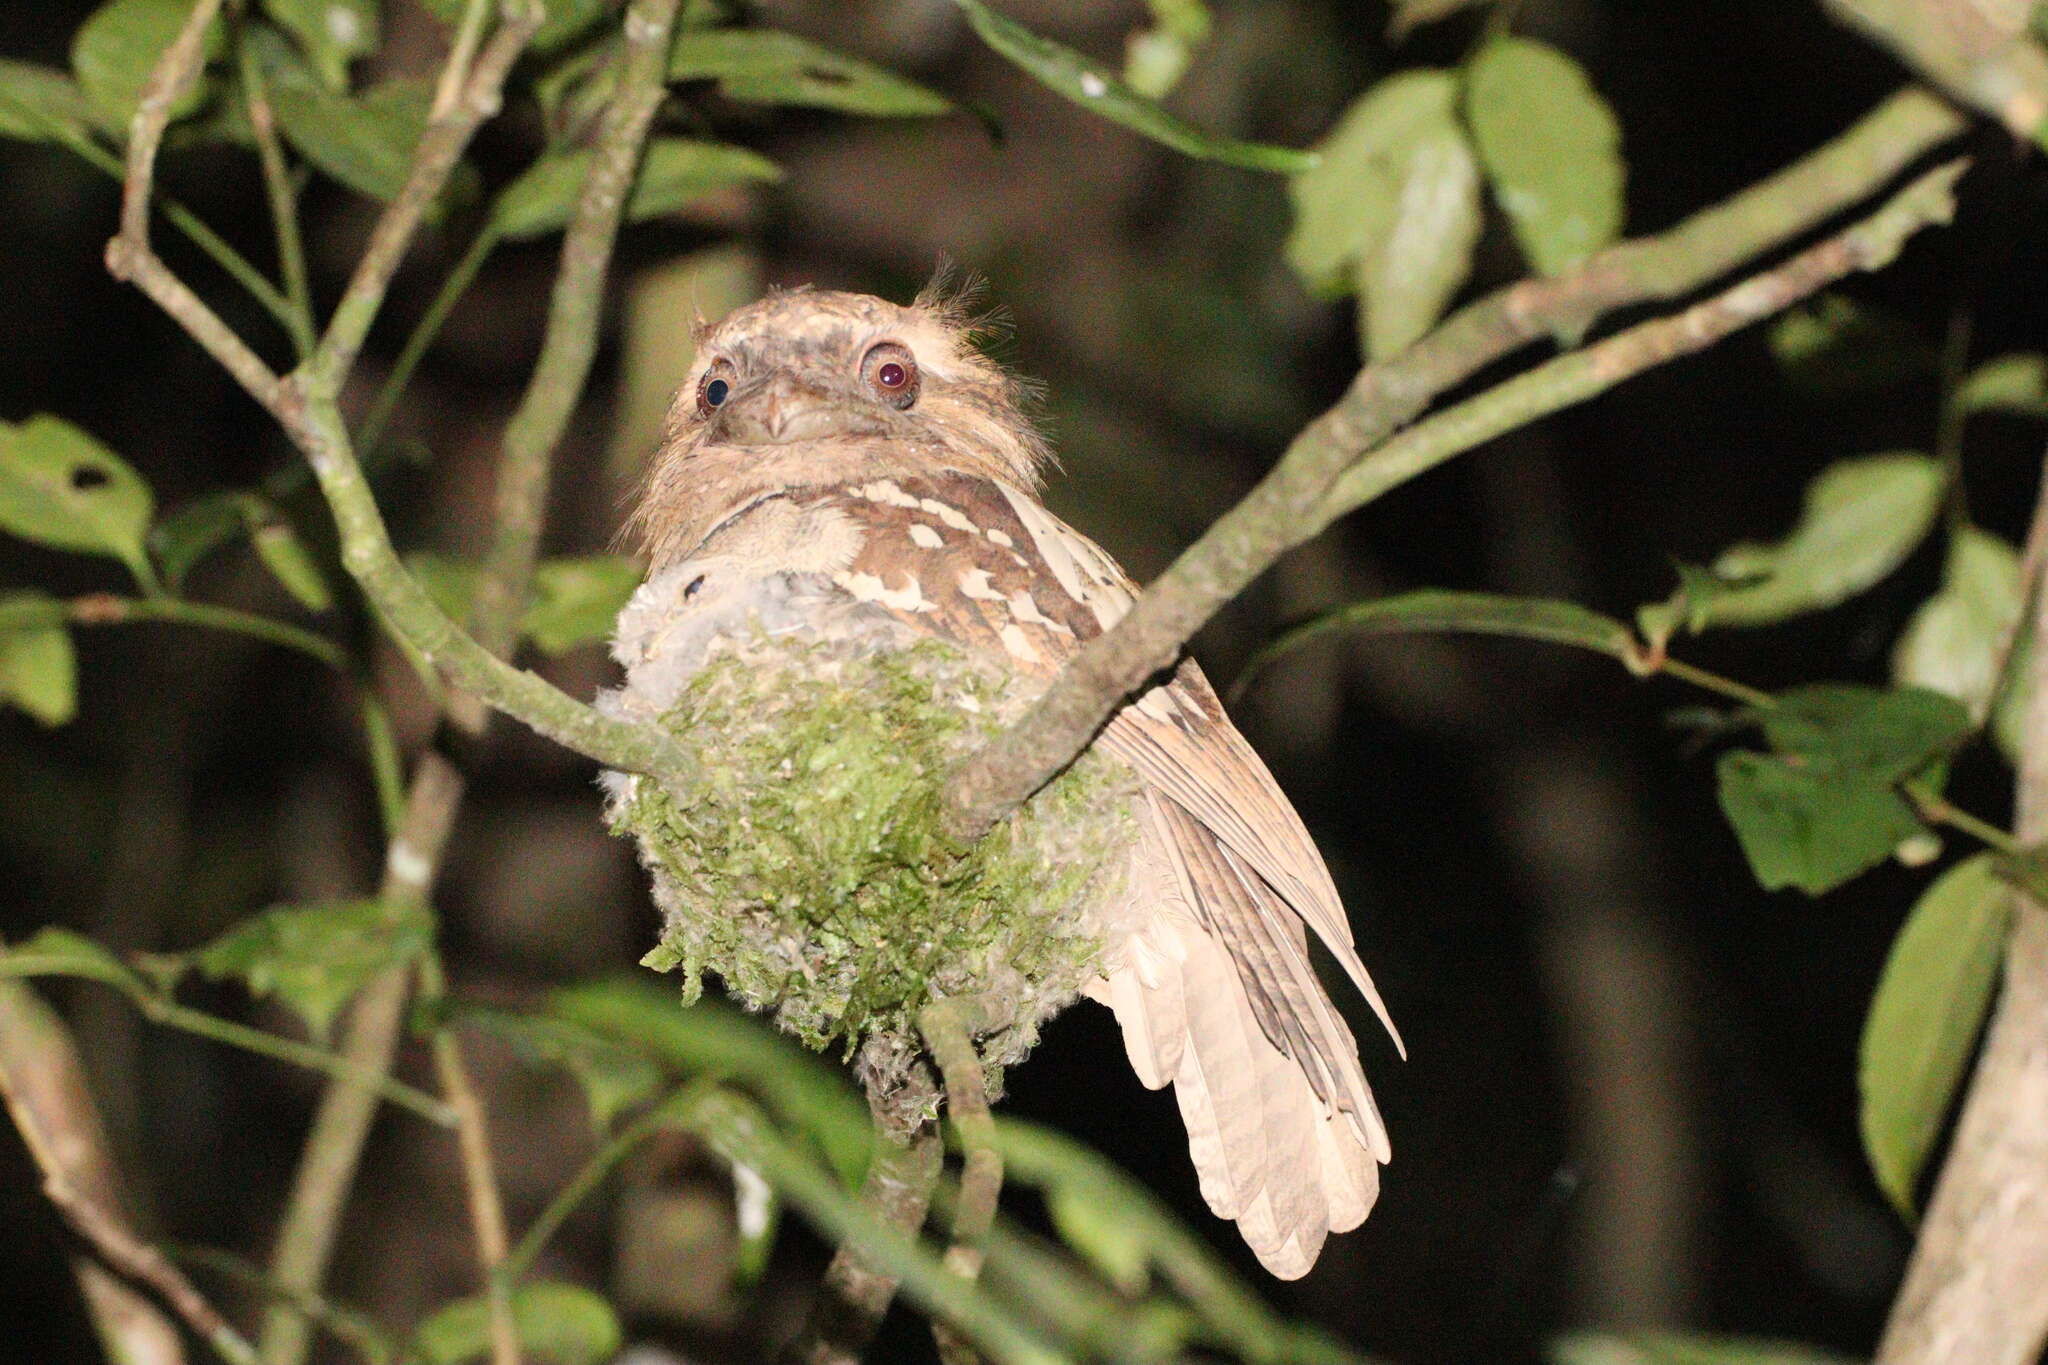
x,y
804,864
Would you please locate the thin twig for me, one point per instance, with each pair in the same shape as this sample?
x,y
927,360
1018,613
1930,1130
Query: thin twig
x,y
1272,518
1972,1290
284,201
46,1094
949,1027
108,609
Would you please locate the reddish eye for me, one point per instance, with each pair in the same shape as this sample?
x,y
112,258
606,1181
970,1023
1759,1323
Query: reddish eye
x,y
891,373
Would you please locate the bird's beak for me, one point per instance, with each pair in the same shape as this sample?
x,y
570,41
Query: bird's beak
x,y
784,408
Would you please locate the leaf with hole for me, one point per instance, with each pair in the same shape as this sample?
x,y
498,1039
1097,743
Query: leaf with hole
x,y
1440,610
577,601
333,33
41,104
60,487
38,671
1957,641
768,66
675,173
1924,1019
562,1323
315,957
1101,91
116,48
2015,383
1861,519
1391,208
1551,148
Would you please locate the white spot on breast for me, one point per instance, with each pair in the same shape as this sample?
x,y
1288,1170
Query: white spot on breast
x,y
976,584
1001,538
883,491
1025,608
1018,643
951,516
925,536
866,587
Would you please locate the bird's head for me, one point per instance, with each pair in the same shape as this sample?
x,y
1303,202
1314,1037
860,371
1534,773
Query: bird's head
x,y
809,386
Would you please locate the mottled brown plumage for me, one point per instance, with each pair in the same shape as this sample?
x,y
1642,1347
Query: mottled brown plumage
x,y
874,449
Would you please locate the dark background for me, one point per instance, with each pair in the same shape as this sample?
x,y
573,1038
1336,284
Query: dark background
x,y
1630,1097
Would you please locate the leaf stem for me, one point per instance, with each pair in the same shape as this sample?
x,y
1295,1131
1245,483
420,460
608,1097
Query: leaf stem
x,y
371,433
284,204
1715,683
106,609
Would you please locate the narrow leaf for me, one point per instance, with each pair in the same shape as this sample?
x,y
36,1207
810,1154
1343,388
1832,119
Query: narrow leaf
x,y
577,601
40,104
768,66
1552,150
1958,639
563,1323
60,487
613,1078
38,671
316,957
1861,520
1095,87
676,172
757,1216
60,952
292,564
116,48
333,33
2010,383
1437,610
1924,1019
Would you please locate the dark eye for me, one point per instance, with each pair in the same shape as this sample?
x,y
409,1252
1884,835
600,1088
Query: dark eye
x,y
713,389
890,371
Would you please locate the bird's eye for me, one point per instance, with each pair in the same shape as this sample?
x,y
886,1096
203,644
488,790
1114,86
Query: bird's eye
x,y
713,389
890,371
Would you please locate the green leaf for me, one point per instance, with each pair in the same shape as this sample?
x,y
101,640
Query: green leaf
x,y
565,19
1409,276
1552,150
332,32
564,1323
38,671
1157,57
768,66
757,1215
1104,1236
675,172
59,952
367,142
288,560
316,957
450,582
2025,870
1399,139
204,525
1671,1348
60,487
1957,640
577,601
116,48
2010,383
40,103
1433,610
1409,15
613,1078
1835,346
1924,1019
1823,807
708,1038
1797,829
1861,520
1094,87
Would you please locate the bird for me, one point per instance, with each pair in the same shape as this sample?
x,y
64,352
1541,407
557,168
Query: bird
x,y
876,454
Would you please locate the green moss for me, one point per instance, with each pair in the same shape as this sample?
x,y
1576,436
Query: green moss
x,y
804,865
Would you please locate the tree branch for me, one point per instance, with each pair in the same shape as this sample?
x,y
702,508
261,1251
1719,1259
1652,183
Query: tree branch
x,y
1282,510
948,1027
1972,1290
46,1093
